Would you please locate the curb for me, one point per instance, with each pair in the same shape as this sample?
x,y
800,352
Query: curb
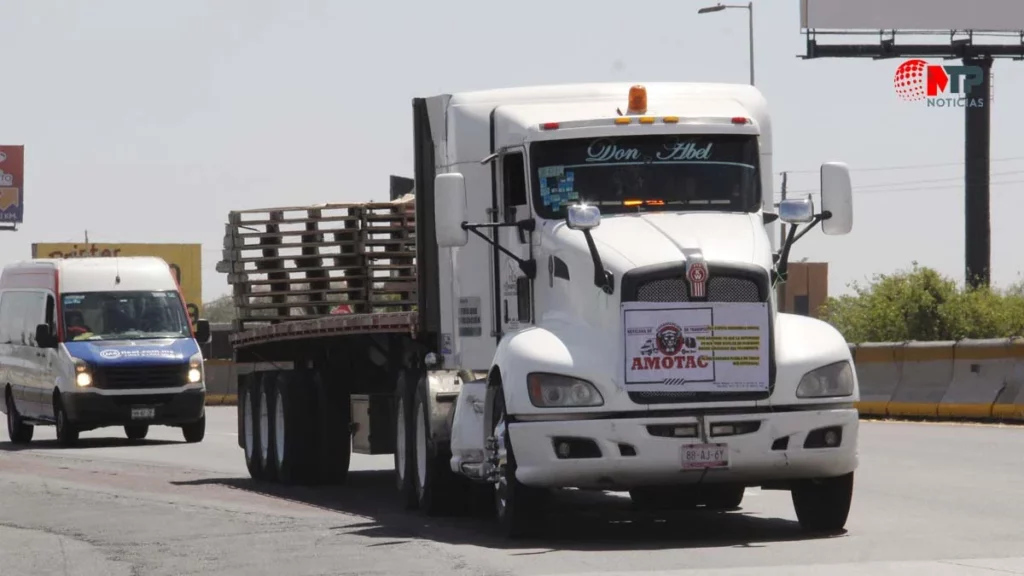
x,y
221,399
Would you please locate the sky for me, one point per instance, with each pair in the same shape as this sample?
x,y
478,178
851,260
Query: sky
x,y
149,121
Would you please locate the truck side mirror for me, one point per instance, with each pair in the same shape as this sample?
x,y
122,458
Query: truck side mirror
x,y
202,331
450,210
796,210
45,337
836,198
582,217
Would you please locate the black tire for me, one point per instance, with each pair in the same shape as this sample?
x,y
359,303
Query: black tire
x,y
67,432
437,487
17,430
334,442
520,509
823,505
136,432
248,403
405,453
265,417
294,453
722,497
194,432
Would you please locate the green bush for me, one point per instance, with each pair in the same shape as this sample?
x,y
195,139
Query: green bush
x,y
921,304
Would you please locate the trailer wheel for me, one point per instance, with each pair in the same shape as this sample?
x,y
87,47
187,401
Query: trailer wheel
x,y
404,441
294,431
265,417
249,405
520,508
334,442
436,484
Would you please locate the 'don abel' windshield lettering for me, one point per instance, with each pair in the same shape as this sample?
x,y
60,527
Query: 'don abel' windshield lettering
x,y
124,315
647,173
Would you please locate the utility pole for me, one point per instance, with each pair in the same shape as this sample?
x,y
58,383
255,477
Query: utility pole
x,y
782,244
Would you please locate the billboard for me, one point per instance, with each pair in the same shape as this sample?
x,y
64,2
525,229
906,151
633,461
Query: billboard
x,y
185,261
12,185
931,15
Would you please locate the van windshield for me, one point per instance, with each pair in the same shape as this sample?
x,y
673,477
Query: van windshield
x,y
629,174
124,315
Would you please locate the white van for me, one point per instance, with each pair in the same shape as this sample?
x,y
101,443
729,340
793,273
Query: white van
x,y
87,343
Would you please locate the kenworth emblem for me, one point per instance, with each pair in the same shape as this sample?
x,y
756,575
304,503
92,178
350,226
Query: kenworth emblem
x,y
697,276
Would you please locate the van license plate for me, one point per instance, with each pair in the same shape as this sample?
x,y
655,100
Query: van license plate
x,y
143,413
697,456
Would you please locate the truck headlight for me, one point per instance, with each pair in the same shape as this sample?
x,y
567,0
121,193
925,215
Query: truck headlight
x,y
195,368
557,391
83,376
828,381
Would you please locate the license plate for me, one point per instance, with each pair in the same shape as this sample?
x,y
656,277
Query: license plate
x,y
143,413
705,456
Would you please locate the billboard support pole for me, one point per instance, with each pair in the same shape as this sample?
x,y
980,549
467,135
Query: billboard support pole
x,y
977,133
977,212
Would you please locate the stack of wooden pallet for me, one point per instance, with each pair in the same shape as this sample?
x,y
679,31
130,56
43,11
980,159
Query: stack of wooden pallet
x,y
299,263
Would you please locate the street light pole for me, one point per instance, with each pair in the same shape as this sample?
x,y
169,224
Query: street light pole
x,y
750,10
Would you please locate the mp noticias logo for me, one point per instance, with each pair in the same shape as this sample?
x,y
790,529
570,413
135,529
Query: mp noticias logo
x,y
939,86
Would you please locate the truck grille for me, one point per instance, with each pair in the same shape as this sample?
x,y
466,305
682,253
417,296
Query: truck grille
x,y
160,376
726,283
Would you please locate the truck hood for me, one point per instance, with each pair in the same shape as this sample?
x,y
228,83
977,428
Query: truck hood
x,y
630,241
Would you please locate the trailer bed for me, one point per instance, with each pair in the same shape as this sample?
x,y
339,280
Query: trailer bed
x,y
336,325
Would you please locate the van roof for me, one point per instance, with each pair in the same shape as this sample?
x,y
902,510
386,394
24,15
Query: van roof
x,y
114,273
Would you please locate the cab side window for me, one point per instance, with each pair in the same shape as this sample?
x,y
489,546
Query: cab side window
x,y
33,314
513,184
9,318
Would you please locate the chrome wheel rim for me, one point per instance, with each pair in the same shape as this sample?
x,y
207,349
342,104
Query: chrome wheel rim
x,y
279,429
247,424
421,450
400,439
264,428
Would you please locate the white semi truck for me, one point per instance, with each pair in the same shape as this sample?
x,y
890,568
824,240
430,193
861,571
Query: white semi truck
x,y
579,293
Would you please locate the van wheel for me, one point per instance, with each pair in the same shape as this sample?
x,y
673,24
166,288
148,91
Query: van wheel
x,y
520,508
195,431
823,505
67,432
17,430
722,497
136,432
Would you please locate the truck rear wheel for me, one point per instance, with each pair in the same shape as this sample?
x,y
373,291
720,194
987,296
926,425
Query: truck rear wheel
x,y
265,417
520,508
334,437
248,405
436,484
823,505
294,431
405,456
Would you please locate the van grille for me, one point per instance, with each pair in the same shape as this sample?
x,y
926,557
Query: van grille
x,y
123,378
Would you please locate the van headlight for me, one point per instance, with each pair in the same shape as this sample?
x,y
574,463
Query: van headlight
x,y
833,380
83,376
195,368
557,391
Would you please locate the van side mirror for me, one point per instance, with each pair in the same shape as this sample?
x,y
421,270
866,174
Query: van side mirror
x,y
450,210
202,331
836,198
45,338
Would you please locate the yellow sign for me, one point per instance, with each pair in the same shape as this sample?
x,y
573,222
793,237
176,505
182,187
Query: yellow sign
x,y
185,260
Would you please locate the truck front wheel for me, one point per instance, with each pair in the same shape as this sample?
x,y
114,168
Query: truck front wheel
x,y
520,508
823,505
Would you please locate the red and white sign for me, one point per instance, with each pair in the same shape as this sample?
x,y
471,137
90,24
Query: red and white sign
x,y
695,347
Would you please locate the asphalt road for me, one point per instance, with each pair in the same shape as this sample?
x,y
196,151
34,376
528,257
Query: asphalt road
x,y
930,498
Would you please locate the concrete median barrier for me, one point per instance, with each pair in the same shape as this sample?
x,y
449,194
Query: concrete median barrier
x,y
1009,404
221,383
925,375
980,371
878,367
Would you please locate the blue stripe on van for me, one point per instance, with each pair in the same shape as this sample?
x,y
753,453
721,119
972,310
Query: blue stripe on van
x,y
134,352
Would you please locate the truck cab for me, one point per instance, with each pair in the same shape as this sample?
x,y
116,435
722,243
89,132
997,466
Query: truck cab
x,y
605,284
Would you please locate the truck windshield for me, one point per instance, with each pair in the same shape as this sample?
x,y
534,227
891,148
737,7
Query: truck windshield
x,y
629,174
124,315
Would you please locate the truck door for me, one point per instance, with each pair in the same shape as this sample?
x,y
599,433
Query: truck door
x,y
515,288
